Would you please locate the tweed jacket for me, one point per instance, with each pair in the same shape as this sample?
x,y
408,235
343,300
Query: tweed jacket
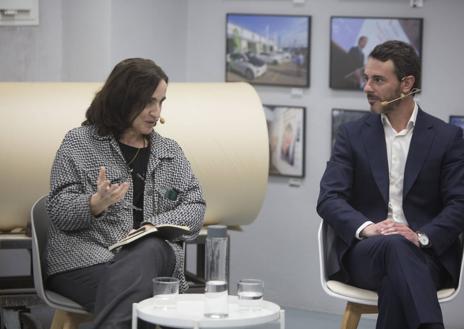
x,y
76,239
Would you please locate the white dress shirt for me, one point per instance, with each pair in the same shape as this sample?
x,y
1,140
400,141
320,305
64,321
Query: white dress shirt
x,y
397,152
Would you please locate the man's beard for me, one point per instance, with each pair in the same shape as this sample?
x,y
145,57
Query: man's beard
x,y
389,108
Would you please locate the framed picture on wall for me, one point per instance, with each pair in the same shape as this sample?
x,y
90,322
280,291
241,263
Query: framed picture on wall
x,y
457,120
341,116
286,128
271,50
353,38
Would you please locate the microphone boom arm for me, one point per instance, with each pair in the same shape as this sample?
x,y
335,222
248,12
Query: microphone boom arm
x,y
412,92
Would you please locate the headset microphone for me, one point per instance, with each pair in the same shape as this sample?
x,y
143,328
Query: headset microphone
x,y
161,120
413,91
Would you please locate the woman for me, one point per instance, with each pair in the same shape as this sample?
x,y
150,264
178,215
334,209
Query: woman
x,y
110,176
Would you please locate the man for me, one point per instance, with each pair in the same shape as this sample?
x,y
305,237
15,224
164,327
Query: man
x,y
356,54
355,62
393,192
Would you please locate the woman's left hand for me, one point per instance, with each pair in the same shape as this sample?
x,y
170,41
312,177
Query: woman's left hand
x,y
107,194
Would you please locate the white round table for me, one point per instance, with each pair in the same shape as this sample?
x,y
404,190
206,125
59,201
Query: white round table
x,y
189,310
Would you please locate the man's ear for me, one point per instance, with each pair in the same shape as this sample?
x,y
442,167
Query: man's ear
x,y
407,83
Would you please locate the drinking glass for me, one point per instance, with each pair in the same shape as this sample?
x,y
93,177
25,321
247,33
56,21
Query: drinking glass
x,y
216,299
250,294
165,291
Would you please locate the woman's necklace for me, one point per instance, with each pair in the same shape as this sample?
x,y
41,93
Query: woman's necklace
x,y
136,154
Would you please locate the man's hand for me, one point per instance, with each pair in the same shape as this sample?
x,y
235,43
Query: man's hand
x,y
375,229
402,229
107,194
389,227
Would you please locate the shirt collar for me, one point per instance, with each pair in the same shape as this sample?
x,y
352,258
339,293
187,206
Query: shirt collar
x,y
411,122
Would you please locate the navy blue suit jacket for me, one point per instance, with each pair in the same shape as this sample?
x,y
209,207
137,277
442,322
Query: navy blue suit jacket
x,y
354,187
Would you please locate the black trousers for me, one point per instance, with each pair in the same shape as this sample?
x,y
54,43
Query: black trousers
x,y
108,290
406,278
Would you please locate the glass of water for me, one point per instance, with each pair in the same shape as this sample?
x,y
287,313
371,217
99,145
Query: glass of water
x,y
250,294
216,299
165,291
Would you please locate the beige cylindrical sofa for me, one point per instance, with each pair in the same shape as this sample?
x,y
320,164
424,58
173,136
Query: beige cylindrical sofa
x,y
220,126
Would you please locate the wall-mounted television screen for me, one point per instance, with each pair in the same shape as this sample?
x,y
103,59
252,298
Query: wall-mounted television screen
x,y
268,50
353,38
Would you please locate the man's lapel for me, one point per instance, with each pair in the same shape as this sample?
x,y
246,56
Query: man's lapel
x,y
374,141
422,138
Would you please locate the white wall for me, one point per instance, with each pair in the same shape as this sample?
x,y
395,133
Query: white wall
x,y
33,53
82,40
86,41
151,29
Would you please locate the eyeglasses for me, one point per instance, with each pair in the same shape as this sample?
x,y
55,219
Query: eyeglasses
x,y
140,176
137,174
127,204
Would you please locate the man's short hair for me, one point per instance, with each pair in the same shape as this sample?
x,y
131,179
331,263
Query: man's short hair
x,y
404,57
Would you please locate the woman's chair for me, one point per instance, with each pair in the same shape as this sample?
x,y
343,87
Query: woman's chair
x,y
68,314
359,301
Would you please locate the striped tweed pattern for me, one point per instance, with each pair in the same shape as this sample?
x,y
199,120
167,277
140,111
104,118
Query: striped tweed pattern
x,y
76,239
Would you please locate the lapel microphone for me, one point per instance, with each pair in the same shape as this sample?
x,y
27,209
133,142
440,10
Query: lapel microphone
x,y
412,92
161,120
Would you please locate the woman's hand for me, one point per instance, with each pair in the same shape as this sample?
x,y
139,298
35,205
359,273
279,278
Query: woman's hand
x,y
107,194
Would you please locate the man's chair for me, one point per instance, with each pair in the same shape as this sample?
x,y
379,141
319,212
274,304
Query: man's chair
x,y
359,301
68,314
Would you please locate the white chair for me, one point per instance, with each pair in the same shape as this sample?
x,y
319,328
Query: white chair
x,y
359,301
68,314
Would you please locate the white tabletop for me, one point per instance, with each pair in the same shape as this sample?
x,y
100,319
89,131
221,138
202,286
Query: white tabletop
x,y
189,310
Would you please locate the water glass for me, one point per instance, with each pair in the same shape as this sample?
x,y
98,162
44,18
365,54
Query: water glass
x,y
250,294
165,291
216,299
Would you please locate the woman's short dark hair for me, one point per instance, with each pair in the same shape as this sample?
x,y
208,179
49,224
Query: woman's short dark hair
x,y
124,95
404,58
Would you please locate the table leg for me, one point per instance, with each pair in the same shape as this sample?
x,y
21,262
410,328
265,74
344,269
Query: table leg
x,y
134,316
282,319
